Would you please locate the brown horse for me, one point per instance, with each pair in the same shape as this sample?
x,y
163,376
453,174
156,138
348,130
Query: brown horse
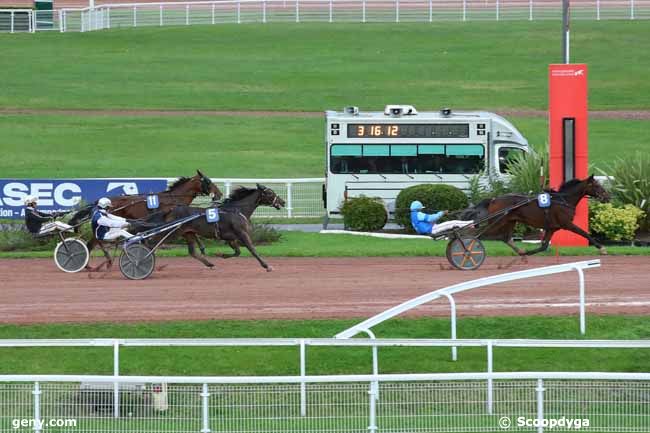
x,y
510,209
234,224
134,207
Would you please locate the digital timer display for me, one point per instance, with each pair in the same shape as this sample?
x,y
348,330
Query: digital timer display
x,y
408,130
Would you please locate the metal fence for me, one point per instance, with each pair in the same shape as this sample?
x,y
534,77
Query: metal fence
x,y
599,402
340,11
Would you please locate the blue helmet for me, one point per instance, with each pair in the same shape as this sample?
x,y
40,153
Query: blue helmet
x,y
416,205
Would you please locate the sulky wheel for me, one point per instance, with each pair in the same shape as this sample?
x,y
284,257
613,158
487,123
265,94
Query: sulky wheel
x,y
137,262
71,255
466,254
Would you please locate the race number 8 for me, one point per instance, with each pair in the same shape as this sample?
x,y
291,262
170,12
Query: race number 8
x,y
544,200
212,215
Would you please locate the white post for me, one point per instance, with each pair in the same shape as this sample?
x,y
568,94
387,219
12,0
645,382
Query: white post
x,y
452,304
396,11
289,201
303,385
264,11
65,23
530,10
331,11
581,278
83,21
108,18
187,15
116,373
464,10
430,11
32,19
135,16
598,10
372,400
161,15
490,369
227,187
497,9
540,404
238,12
206,416
297,11
11,17
61,20
363,5
37,407
91,4
631,9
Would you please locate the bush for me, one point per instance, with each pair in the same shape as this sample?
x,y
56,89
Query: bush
x,y
433,197
614,223
629,183
364,214
264,234
480,189
524,172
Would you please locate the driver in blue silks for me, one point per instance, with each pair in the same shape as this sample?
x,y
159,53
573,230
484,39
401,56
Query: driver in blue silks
x,y
425,224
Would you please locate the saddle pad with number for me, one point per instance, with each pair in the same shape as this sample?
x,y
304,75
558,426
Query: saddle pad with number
x,y
544,200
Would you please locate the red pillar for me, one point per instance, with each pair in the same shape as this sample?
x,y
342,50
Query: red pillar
x,y
568,138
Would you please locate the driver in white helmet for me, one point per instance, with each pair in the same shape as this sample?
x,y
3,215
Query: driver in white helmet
x,y
39,222
106,226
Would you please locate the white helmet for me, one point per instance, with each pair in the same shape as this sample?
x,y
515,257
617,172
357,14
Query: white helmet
x,y
104,203
30,199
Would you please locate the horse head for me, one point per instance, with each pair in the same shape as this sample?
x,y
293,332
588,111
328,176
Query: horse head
x,y
596,190
207,187
268,197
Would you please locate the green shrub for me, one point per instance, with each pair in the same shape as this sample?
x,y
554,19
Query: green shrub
x,y
614,223
14,237
364,214
264,234
629,182
433,197
480,189
524,172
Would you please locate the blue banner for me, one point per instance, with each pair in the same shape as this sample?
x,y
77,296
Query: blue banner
x,y
65,194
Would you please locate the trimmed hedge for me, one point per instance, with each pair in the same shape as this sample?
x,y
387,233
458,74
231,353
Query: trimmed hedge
x,y
614,223
364,214
434,197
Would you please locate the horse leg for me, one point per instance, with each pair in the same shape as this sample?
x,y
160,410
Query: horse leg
x,y
508,228
248,243
191,248
544,245
235,246
577,230
201,245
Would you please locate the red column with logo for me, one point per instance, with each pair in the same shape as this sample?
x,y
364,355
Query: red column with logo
x,y
568,138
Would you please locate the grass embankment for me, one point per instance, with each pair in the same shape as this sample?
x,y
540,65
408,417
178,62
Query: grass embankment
x,y
323,360
317,66
262,147
299,244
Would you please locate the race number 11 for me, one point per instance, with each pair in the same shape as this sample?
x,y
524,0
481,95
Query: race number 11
x,y
152,202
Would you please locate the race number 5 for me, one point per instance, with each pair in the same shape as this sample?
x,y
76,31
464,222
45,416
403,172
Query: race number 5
x,y
212,215
153,202
544,200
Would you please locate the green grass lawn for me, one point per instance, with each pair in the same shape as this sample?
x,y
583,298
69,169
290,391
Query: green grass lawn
x,y
263,147
318,66
300,244
323,360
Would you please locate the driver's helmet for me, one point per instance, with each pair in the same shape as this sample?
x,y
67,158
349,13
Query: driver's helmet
x,y
30,200
104,203
416,205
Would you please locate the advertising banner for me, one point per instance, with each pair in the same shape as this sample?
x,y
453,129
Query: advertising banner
x,y
66,194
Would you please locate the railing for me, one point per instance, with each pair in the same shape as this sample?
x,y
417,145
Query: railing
x,y
603,402
16,20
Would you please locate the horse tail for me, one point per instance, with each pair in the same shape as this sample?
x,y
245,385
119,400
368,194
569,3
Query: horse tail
x,y
476,212
81,215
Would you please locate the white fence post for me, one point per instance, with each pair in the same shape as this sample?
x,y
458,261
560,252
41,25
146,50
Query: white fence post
x,y
227,186
238,12
490,369
396,11
135,16
303,385
430,11
452,305
187,15
108,18
372,400
205,406
581,279
498,11
297,11
631,9
264,11
530,10
598,10
37,407
289,200
363,14
160,18
116,373
11,18
61,12
540,404
330,11
464,10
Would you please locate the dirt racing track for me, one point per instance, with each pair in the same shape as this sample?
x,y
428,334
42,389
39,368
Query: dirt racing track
x,y
34,291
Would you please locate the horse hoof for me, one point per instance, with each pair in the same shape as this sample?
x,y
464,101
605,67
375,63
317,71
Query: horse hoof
x,y
269,269
603,251
161,267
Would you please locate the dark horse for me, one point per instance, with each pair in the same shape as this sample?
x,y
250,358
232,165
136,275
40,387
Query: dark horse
x,y
234,224
527,211
134,207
